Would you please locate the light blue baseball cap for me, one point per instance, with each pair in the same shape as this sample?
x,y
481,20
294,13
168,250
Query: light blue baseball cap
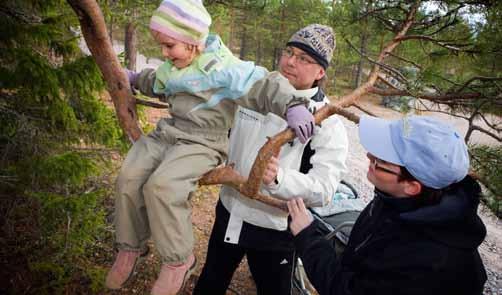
x,y
432,151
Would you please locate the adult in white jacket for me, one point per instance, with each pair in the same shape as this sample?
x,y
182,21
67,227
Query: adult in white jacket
x,y
311,171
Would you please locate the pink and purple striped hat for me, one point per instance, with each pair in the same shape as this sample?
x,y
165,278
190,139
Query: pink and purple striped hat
x,y
184,20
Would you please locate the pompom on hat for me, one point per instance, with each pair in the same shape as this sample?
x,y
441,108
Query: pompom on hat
x,y
316,40
184,20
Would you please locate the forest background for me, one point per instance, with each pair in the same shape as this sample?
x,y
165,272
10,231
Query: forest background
x,y
61,144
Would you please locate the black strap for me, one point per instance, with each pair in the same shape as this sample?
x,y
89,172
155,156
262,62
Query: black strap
x,y
305,165
319,96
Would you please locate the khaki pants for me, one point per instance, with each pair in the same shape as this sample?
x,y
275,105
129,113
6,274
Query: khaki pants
x,y
153,187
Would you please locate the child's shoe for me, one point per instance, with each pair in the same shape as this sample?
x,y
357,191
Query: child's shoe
x,y
123,268
172,278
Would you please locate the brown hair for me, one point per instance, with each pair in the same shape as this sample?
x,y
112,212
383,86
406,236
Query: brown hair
x,y
428,195
321,83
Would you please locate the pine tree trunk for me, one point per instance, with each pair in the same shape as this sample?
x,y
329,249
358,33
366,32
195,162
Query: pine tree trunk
x,y
110,29
130,46
232,29
96,36
259,53
278,47
244,43
360,65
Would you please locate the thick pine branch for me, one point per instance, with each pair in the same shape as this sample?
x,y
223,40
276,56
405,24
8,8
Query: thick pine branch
x,y
251,186
95,34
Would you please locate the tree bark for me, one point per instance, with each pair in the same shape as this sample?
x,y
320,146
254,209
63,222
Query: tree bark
x,y
360,65
277,48
232,30
95,33
130,46
96,36
244,40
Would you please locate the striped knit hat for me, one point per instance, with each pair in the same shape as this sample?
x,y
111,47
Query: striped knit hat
x,y
184,20
316,40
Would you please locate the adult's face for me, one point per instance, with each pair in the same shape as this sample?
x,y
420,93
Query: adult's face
x,y
386,177
300,69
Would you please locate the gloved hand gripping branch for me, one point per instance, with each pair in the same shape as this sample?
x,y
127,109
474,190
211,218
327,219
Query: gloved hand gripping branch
x,y
301,121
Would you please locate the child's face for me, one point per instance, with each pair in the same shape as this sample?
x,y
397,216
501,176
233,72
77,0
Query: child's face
x,y
179,53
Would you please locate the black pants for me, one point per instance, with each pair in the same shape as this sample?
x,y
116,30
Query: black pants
x,y
272,270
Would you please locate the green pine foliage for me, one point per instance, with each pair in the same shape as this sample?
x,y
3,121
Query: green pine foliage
x,y
487,162
56,136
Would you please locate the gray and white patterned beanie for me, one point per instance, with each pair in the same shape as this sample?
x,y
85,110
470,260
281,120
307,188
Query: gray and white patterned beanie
x,y
316,40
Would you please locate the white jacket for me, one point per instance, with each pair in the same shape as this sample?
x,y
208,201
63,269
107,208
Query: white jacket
x,y
317,187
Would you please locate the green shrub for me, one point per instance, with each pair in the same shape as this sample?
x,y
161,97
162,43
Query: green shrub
x,y
56,138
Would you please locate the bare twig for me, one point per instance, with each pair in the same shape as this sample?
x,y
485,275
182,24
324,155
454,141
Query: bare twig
x,y
384,79
151,103
375,11
398,74
444,44
357,105
406,60
478,78
432,97
491,125
491,134
388,24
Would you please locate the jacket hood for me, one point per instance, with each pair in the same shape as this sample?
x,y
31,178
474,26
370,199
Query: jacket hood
x,y
453,221
213,43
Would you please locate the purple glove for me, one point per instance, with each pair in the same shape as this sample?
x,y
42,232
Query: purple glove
x,y
302,121
133,77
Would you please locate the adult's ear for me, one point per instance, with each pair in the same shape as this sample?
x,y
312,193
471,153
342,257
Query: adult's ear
x,y
412,188
320,73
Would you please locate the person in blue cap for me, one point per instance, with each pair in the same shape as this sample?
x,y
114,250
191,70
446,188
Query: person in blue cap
x,y
420,234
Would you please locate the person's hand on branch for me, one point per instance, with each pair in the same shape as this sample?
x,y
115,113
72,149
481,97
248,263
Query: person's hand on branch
x,y
132,76
271,171
301,121
300,216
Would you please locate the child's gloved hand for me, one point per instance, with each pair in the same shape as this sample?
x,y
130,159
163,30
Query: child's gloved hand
x,y
302,121
133,77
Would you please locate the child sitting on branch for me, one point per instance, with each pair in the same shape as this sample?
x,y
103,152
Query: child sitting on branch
x,y
203,83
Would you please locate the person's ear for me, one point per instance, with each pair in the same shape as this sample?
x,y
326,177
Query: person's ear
x,y
193,49
320,73
190,47
412,188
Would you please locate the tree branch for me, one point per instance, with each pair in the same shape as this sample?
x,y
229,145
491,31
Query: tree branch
x,y
153,104
480,78
436,98
493,126
482,130
358,106
405,60
427,24
444,44
398,74
96,36
273,145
